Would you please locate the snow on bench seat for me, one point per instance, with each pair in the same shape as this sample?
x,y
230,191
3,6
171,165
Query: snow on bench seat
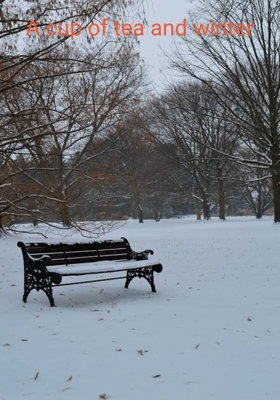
x,y
100,267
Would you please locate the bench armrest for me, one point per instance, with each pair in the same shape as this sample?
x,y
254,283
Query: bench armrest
x,y
37,263
143,255
34,265
135,255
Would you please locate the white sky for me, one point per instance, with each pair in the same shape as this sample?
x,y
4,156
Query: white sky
x,y
161,11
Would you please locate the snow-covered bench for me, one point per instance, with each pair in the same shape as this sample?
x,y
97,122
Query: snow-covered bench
x,y
45,264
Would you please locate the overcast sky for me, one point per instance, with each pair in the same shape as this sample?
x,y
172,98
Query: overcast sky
x,y
161,11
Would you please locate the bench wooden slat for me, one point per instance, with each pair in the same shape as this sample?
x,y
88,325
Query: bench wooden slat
x,y
82,260
78,254
53,248
75,254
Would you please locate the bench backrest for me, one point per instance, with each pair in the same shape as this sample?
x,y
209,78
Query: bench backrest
x,y
76,253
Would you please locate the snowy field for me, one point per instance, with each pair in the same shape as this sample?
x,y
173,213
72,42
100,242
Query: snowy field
x,y
212,330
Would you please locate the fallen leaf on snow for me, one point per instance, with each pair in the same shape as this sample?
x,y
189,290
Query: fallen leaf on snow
x,y
103,396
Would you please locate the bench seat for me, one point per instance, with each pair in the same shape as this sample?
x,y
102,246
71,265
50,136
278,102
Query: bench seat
x,y
102,267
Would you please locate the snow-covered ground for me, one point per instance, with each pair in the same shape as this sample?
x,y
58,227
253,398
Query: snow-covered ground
x,y
212,330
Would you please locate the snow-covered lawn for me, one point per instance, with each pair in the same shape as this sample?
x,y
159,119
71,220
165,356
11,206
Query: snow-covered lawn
x,y
212,330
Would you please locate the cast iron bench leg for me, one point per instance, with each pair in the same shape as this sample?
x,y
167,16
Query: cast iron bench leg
x,y
38,282
146,273
49,294
25,295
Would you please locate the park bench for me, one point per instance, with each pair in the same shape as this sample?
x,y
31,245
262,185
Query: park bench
x,y
45,264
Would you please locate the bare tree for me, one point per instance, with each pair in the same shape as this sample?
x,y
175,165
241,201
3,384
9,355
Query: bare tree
x,y
38,74
255,188
77,114
186,119
245,69
140,178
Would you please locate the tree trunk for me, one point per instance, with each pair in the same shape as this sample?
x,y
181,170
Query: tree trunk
x,y
276,193
259,214
65,215
2,229
259,204
140,214
157,213
206,210
221,194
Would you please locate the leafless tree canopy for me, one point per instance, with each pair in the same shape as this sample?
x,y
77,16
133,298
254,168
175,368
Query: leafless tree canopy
x,y
245,73
60,99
